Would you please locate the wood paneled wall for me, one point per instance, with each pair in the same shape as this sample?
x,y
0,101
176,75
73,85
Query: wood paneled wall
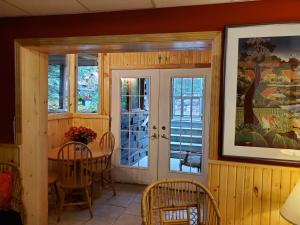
x,y
100,124
251,194
57,126
9,153
167,59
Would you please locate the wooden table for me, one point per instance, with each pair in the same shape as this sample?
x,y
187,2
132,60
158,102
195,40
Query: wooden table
x,y
96,153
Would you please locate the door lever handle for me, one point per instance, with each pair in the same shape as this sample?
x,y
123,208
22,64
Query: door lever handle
x,y
164,136
153,136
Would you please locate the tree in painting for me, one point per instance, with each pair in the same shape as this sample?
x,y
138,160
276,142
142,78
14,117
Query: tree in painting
x,y
255,50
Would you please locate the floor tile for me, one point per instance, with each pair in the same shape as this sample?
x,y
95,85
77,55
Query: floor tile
x,y
134,209
127,219
122,209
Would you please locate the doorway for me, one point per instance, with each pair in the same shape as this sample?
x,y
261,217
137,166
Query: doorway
x,y
31,96
160,119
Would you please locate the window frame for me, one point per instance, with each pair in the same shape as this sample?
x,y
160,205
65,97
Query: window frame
x,y
75,86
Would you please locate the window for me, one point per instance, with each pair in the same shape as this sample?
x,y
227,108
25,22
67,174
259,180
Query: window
x,y
58,97
87,83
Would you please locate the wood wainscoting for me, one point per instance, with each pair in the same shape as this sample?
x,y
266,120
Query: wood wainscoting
x,y
251,194
58,124
9,153
98,123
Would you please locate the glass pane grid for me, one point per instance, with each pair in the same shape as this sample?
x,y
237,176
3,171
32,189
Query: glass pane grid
x,y
134,121
186,125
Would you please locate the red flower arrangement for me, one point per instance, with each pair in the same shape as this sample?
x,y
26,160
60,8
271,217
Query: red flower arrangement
x,y
81,134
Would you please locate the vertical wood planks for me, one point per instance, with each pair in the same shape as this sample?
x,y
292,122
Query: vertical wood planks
x,y
159,59
231,187
248,197
239,195
223,192
251,194
257,195
9,153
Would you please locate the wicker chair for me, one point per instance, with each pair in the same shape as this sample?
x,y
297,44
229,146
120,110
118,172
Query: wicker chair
x,y
179,202
16,202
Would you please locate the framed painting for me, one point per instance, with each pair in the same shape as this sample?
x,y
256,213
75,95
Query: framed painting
x,y
261,105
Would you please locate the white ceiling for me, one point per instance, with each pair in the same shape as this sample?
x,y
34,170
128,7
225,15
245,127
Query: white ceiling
x,y
13,8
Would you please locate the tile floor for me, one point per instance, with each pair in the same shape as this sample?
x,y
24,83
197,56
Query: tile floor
x,y
122,209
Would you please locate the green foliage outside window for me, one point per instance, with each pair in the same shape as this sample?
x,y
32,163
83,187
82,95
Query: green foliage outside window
x,y
57,84
87,84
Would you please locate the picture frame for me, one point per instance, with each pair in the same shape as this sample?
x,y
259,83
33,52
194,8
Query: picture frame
x,y
261,94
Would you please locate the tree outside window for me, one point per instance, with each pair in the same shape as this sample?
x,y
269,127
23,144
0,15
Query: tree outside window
x,y
58,97
87,83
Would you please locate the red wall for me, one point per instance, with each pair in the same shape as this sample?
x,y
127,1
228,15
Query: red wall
x,y
181,19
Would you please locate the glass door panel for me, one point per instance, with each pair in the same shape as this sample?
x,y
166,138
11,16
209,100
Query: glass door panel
x,y
183,144
134,114
186,124
134,123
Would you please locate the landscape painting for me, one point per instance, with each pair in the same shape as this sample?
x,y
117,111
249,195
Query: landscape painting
x,y
268,92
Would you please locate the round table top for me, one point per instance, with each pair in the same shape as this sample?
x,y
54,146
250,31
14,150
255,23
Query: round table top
x,y
96,152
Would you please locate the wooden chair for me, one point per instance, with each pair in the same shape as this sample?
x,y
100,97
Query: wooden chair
x,y
191,160
75,159
102,167
16,201
179,202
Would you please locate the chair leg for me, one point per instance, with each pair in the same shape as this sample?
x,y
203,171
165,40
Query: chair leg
x,y
57,193
112,183
88,198
92,188
62,201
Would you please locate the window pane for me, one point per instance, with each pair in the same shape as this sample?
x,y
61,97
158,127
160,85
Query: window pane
x,y
57,84
187,86
87,83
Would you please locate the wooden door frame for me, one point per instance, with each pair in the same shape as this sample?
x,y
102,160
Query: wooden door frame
x,y
33,120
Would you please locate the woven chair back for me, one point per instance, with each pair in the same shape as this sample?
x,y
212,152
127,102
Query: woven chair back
x,y
16,201
179,202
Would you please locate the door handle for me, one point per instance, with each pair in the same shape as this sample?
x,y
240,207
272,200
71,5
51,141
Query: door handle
x,y
164,136
153,136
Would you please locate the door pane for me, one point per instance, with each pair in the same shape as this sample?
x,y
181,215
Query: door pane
x,y
134,121
186,125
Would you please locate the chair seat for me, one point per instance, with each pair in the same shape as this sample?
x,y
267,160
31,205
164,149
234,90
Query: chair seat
x,y
52,177
193,161
73,183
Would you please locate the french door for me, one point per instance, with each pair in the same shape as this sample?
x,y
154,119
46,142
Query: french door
x,y
160,118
